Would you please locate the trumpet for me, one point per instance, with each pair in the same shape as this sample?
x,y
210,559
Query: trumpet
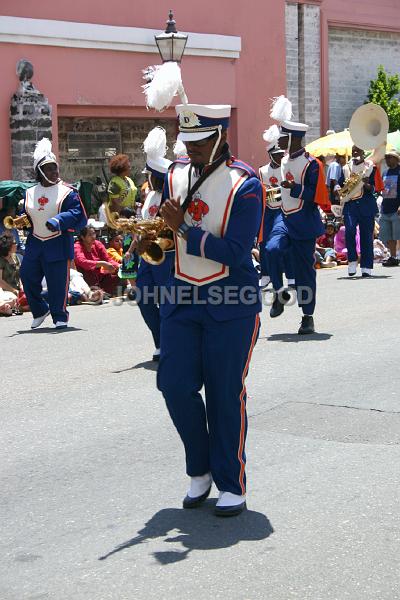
x,y
155,232
17,223
273,194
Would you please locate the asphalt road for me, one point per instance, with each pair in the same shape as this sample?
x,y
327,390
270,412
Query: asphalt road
x,y
92,471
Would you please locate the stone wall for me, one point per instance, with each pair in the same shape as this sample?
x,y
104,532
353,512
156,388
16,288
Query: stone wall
x,y
30,121
303,64
354,57
130,132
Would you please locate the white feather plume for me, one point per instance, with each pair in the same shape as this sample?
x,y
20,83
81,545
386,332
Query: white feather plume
x,y
281,109
42,148
271,135
155,145
179,149
166,82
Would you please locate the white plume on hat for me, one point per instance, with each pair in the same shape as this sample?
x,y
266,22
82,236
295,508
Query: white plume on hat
x,y
281,109
165,84
179,149
155,145
43,153
271,136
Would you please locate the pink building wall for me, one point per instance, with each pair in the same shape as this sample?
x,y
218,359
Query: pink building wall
x,y
106,83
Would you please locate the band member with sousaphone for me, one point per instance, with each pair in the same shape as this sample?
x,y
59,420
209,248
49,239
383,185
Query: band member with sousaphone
x,y
55,211
369,126
303,190
274,263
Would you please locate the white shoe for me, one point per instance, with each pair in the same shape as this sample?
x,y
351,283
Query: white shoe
x,y
199,485
352,268
61,324
229,505
39,320
291,282
264,281
366,272
156,355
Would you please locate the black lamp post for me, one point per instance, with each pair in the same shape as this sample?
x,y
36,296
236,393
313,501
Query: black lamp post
x,y
171,44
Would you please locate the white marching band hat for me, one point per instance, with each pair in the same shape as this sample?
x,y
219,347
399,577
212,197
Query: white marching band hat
x,y
281,111
43,153
271,136
155,148
200,121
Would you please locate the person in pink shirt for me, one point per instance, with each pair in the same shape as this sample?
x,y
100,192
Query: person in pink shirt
x,y
92,260
340,244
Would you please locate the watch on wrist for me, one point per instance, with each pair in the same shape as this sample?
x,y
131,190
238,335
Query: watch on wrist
x,y
182,229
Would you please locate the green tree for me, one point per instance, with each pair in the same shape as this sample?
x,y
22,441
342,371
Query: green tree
x,y
383,91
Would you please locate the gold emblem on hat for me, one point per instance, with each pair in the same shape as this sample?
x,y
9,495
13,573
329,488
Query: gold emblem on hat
x,y
188,118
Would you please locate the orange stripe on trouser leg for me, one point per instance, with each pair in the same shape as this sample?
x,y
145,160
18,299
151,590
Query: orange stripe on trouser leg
x,y
243,406
67,287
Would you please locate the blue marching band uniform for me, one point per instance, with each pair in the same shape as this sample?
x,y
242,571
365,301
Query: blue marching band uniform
x,y
210,319
151,278
55,211
360,209
274,263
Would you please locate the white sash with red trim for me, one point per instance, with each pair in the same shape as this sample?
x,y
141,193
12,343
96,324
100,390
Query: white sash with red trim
x,y
209,210
293,169
271,178
44,203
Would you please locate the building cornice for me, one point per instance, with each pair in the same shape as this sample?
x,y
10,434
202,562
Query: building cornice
x,y
70,34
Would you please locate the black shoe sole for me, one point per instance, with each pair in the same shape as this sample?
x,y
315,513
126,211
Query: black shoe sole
x,y
232,511
189,502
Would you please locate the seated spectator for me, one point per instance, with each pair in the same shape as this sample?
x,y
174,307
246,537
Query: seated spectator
x,y
9,264
114,249
340,245
381,252
325,254
79,291
92,260
8,303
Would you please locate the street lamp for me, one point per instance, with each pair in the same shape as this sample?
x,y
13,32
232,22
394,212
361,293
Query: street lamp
x,y
171,44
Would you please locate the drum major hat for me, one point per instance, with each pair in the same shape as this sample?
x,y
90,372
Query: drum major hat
x,y
43,154
155,148
200,121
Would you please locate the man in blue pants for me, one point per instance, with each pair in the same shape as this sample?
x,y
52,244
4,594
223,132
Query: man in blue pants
x,y
210,321
360,209
302,186
273,225
55,212
151,278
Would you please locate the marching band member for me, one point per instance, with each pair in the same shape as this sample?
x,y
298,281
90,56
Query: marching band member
x,y
273,223
360,209
302,188
213,203
150,277
55,212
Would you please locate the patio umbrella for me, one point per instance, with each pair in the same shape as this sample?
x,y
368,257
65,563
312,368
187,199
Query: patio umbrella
x,y
340,143
394,140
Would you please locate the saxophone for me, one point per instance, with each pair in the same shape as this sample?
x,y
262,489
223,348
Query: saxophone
x,y
154,231
351,183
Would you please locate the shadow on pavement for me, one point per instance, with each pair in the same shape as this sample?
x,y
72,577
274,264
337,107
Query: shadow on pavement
x,y
150,365
357,277
198,529
48,330
296,338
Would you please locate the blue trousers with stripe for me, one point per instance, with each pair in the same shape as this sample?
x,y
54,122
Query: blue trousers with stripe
x,y
57,278
302,252
352,218
150,277
198,351
278,259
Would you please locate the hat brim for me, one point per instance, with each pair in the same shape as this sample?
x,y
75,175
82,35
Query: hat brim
x,y
47,161
195,135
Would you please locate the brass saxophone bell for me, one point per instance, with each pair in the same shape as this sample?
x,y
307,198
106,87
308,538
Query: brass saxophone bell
x,y
155,253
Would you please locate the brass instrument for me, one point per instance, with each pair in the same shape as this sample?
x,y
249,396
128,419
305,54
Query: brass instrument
x,y
154,231
349,185
273,194
17,223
